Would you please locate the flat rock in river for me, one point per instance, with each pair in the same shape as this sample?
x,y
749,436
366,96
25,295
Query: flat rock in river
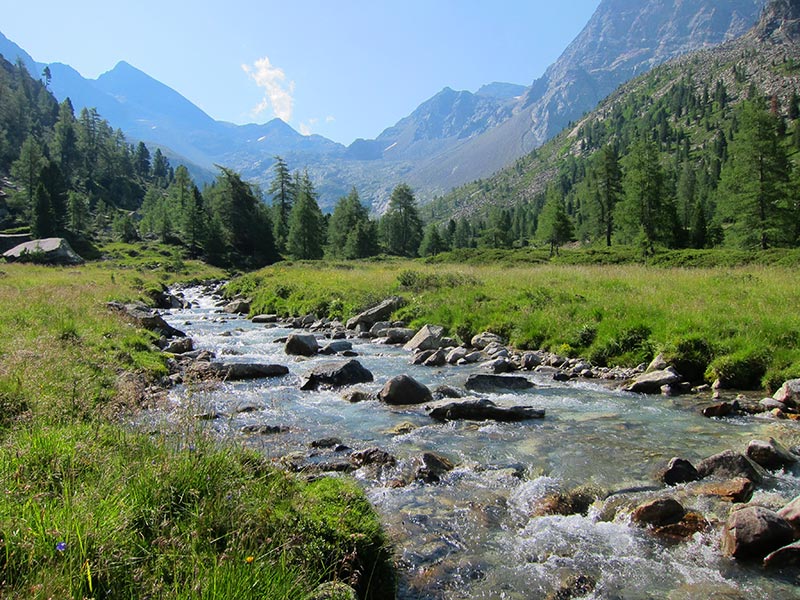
x,y
337,374
490,383
483,409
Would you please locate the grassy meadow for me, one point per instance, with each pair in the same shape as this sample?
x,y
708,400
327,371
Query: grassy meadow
x,y
91,509
739,323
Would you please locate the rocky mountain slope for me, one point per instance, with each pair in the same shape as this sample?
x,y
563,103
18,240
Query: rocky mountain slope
x,y
767,58
453,138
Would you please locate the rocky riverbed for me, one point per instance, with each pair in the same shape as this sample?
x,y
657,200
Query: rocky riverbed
x,y
500,473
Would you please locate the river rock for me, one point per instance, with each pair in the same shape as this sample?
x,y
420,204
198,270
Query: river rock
x,y
53,251
657,364
356,396
437,359
380,312
679,470
769,404
754,532
770,454
721,409
787,556
336,374
651,383
456,354
729,465
445,391
689,524
530,360
483,409
336,346
482,340
264,319
737,490
402,390
379,328
372,456
491,383
244,371
237,307
575,586
402,428
180,346
499,365
658,512
789,393
420,357
397,335
431,467
146,318
576,501
427,338
791,512
264,429
301,344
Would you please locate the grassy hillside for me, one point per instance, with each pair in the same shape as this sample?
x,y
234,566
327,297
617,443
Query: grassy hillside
x,y
725,320
91,509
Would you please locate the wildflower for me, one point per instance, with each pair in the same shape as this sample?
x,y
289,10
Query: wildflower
x,y
249,559
61,546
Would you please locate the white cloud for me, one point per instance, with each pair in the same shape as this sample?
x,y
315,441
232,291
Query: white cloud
x,y
305,128
278,91
330,119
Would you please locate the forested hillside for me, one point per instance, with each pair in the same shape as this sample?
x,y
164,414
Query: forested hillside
x,y
700,152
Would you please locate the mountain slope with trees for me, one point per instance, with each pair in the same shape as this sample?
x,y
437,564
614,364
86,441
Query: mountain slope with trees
x,y
669,158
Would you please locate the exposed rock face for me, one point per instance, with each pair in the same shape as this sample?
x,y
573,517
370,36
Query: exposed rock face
x,y
52,251
338,374
380,312
780,22
483,409
492,383
754,532
402,389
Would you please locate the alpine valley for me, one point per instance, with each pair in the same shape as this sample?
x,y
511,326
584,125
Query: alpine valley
x,y
451,139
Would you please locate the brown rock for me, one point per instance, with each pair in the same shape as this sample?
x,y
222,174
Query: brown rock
x,y
770,454
791,512
432,467
739,489
754,532
403,389
729,465
659,512
787,556
679,470
690,524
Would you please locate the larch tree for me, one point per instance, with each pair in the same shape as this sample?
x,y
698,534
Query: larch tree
x,y
282,190
401,226
306,223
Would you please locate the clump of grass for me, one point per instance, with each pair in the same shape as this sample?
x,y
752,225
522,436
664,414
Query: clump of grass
x,y
93,511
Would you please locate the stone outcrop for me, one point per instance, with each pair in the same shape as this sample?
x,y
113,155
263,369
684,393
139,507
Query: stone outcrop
x,y
51,251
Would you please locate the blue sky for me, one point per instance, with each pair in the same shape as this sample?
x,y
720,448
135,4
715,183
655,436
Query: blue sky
x,y
344,69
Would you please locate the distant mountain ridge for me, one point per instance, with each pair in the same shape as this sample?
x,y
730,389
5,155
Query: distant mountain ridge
x,y
451,139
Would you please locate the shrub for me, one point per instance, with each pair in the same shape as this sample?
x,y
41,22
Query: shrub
x,y
690,356
741,370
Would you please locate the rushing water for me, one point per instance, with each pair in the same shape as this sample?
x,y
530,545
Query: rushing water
x,y
473,535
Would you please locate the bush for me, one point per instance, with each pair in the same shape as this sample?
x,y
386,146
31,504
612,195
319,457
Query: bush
x,y
632,346
742,370
690,356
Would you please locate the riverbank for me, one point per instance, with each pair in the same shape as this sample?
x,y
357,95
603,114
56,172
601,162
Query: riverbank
x,y
93,509
737,324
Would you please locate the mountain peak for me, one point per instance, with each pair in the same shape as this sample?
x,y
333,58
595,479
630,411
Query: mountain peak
x,y
780,21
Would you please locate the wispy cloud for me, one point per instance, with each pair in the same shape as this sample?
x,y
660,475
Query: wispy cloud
x,y
330,119
278,91
305,128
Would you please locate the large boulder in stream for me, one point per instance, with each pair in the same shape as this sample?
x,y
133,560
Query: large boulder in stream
x,y
483,409
789,393
770,454
427,338
729,465
336,374
491,383
245,371
754,532
403,389
651,383
301,344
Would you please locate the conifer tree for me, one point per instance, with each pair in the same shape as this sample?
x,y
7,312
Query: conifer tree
x,y
555,227
304,241
753,187
432,243
401,226
351,234
282,191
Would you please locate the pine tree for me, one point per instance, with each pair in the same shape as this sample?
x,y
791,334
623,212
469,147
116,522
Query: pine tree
x,y
41,214
282,191
27,170
753,187
350,233
606,191
401,226
555,227
304,241
432,243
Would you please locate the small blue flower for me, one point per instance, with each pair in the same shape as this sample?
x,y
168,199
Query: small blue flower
x,y
61,546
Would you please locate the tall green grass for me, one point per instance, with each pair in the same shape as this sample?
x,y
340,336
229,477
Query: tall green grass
x,y
741,324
